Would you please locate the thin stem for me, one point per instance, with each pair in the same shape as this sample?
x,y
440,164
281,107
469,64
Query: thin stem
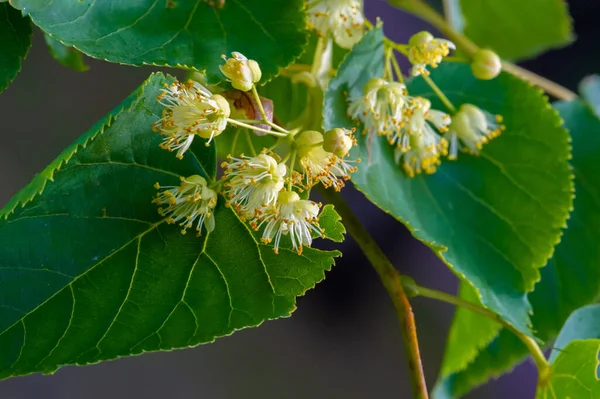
x,y
249,142
439,93
258,129
427,13
532,346
397,69
291,170
391,281
549,86
235,139
261,109
316,65
388,63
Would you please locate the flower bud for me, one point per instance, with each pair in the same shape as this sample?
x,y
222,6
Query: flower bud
x,y
241,71
306,141
374,84
486,65
337,141
422,37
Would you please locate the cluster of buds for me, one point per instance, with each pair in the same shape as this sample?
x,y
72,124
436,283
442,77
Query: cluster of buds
x,y
256,186
342,19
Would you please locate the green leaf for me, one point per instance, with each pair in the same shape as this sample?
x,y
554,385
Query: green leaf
x,y
187,34
91,272
15,36
584,323
66,56
574,358
469,334
571,278
517,29
494,219
574,373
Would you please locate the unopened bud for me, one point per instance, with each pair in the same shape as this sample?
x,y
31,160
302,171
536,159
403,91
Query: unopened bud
x,y
241,71
306,141
374,84
422,37
337,141
486,65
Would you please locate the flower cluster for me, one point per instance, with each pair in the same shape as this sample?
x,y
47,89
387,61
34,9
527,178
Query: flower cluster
x,y
263,189
343,19
409,123
422,135
256,186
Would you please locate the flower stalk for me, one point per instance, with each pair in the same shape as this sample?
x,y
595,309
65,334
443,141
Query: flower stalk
x,y
390,278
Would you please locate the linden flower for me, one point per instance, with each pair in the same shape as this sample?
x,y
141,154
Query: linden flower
x,y
422,146
470,129
241,71
189,203
320,165
381,108
342,18
254,183
419,119
294,217
425,50
190,110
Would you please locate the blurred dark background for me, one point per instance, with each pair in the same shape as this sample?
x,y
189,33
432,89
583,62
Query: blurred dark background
x,y
342,342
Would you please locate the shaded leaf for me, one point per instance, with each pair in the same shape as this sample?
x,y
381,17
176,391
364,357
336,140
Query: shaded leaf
x,y
66,56
572,277
469,334
517,29
189,34
584,323
494,219
15,36
91,272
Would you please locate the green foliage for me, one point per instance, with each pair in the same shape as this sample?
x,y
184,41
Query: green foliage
x,y
15,36
66,56
469,333
584,323
517,29
571,278
91,272
494,219
187,34
574,373
574,359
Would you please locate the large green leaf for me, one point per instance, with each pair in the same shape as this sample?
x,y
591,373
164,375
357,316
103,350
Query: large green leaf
x,y
517,29
574,373
15,36
572,277
91,272
494,219
189,34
